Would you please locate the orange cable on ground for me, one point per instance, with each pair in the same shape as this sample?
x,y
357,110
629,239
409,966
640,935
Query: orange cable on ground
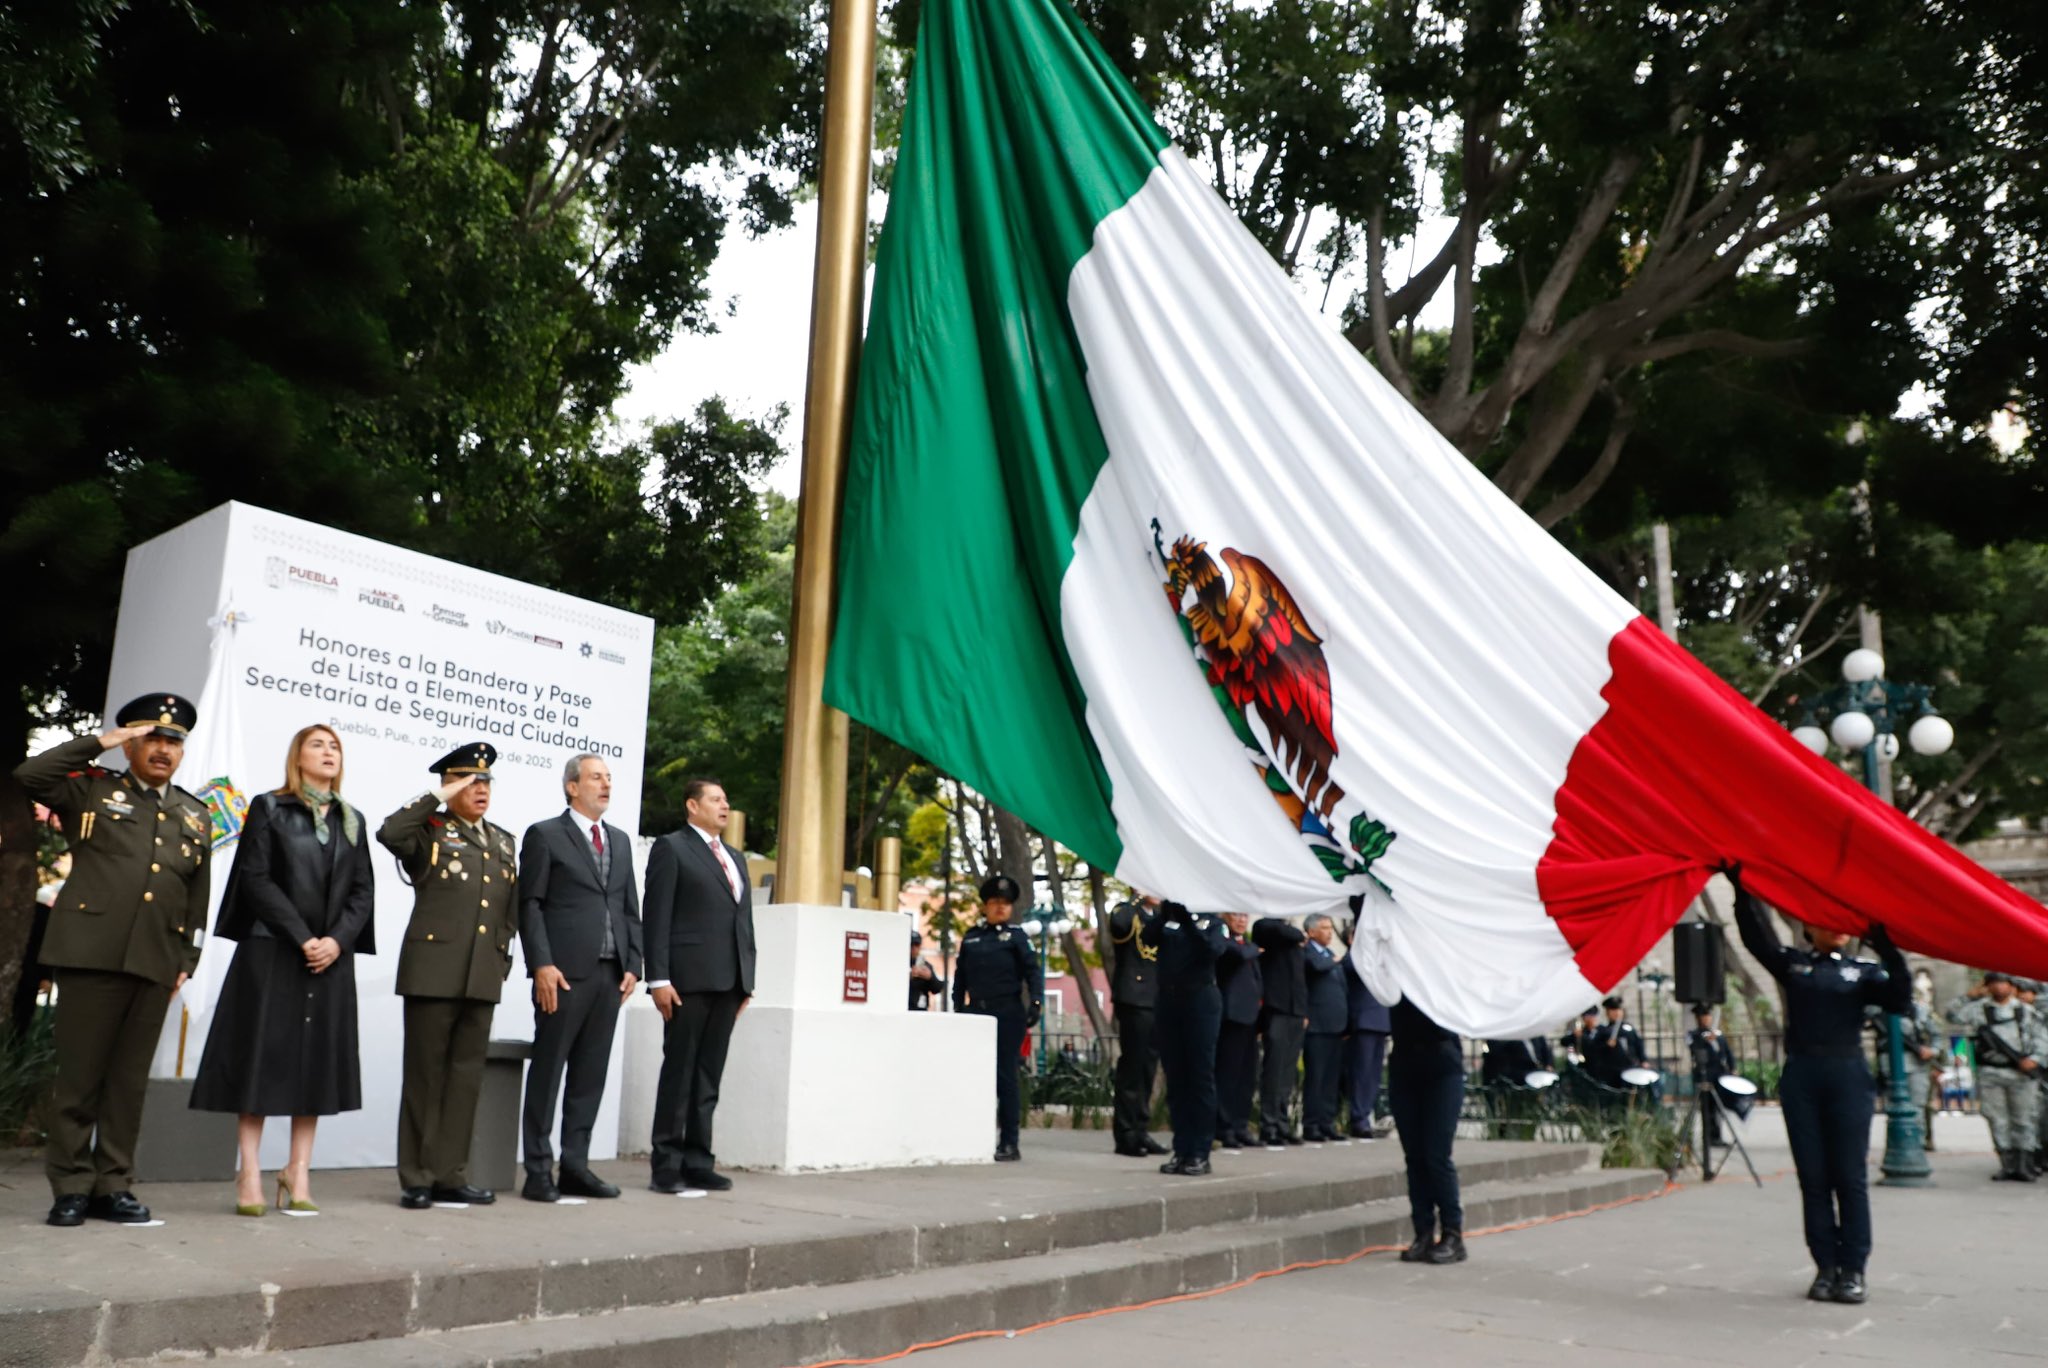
x,y
1178,1297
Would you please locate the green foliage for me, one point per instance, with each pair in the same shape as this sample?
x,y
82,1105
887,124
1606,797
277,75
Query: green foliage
x,y
28,1068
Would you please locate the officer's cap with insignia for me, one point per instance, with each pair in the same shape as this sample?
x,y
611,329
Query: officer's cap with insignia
x,y
167,714
1610,1003
1001,886
471,757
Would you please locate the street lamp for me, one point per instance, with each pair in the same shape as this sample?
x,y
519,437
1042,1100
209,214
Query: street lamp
x,y
1863,713
1044,923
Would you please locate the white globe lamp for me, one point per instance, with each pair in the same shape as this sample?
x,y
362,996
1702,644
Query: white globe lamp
x,y
1811,737
1888,747
1852,731
1862,665
1931,735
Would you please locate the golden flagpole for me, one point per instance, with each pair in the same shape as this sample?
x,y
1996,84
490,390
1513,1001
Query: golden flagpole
x,y
810,839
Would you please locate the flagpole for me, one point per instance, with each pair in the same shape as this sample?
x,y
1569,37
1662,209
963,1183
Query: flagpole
x,y
811,836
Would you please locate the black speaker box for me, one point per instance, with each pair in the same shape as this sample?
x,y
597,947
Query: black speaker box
x,y
1699,961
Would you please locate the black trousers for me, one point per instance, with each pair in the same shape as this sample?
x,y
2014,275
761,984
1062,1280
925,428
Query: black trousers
x,y
1365,1057
1320,1056
1009,1059
1279,1067
693,1048
1827,1105
1185,1026
1237,1054
1426,1096
576,1039
1137,1062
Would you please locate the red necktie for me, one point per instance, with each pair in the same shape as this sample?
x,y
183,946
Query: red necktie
x,y
732,880
597,838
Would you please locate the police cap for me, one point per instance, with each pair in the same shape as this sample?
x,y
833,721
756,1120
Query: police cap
x,y
1001,886
471,757
1610,1003
168,713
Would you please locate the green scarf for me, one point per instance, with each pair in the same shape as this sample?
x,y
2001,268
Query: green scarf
x,y
351,824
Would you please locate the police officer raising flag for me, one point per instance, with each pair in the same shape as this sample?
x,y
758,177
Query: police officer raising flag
x,y
997,975
123,938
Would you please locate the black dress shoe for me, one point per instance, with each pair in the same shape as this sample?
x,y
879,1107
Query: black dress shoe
x,y
1230,1142
1361,1132
1173,1165
1417,1251
671,1186
1291,1137
1244,1137
540,1188
707,1180
1196,1167
466,1195
68,1211
584,1183
415,1199
1008,1154
1131,1151
1272,1139
1849,1287
1152,1146
119,1207
1823,1288
1449,1249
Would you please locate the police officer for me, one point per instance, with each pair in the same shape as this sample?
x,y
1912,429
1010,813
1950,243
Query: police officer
x,y
997,975
1712,1059
1617,1045
1826,1089
458,951
925,983
1134,993
1190,1008
122,939
1237,1039
2010,1044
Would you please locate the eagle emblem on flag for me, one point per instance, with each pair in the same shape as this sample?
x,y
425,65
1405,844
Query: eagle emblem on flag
x,y
1265,664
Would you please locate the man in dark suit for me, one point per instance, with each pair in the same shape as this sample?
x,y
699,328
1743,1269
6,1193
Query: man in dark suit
x,y
1365,1050
1329,1011
579,924
700,972
1237,1041
1283,1020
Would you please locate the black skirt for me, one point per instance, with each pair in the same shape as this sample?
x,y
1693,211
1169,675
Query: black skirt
x,y
283,1040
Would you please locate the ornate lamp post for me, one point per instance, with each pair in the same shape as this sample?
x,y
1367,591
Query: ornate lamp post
x,y
1044,922
1863,713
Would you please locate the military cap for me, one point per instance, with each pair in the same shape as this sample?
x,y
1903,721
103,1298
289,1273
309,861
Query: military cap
x,y
1610,1003
1001,886
1589,1009
471,757
172,714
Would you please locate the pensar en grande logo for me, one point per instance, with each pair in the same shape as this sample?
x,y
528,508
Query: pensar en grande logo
x,y
1265,665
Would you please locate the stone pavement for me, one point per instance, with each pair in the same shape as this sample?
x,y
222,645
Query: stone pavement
x,y
1709,1274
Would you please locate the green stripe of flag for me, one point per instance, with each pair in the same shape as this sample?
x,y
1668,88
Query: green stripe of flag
x,y
975,442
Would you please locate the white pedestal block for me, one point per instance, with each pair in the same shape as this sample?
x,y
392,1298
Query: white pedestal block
x,y
817,1082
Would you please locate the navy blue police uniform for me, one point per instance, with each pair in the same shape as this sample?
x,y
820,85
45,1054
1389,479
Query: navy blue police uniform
x,y
1188,1012
997,975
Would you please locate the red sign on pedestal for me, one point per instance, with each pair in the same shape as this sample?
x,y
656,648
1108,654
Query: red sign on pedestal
x,y
856,989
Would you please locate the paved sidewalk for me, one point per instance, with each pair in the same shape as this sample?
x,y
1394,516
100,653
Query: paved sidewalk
x,y
1712,1273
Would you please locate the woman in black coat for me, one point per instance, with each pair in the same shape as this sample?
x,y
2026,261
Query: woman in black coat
x,y
300,904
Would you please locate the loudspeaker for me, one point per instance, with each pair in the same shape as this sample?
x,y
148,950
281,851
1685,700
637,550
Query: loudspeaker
x,y
1699,959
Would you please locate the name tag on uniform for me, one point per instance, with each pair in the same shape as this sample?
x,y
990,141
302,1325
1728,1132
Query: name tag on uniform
x,y
118,804
450,838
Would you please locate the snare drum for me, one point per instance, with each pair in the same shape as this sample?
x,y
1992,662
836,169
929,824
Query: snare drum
x,y
1737,1085
1640,1078
1538,1078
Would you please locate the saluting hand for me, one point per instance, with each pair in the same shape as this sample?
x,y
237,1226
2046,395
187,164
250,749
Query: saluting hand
x,y
117,737
547,982
455,786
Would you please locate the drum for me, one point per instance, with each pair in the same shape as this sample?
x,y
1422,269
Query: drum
x,y
1538,1078
1737,1085
1640,1078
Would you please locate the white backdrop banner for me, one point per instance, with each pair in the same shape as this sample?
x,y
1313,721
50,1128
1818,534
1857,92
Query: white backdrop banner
x,y
406,657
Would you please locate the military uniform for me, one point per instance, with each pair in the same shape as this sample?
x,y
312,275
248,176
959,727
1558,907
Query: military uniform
x,y
451,970
997,975
124,931
2008,1096
1135,995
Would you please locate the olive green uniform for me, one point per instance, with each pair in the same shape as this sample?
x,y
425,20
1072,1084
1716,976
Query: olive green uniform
x,y
127,923
457,953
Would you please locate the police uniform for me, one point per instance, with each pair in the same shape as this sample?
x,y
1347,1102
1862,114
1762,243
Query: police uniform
x,y
1712,1059
123,934
1237,1039
997,975
1617,1047
2004,1034
1825,1091
457,954
1189,1009
1134,992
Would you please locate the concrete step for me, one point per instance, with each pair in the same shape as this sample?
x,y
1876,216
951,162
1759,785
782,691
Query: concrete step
x,y
881,1315
377,1285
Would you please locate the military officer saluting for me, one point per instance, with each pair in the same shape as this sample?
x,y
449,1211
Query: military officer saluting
x,y
123,938
457,953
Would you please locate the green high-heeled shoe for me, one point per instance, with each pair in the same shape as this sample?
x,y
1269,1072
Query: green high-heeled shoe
x,y
251,1209
290,1205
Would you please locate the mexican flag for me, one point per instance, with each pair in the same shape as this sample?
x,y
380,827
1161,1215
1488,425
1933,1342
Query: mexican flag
x,y
1139,547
